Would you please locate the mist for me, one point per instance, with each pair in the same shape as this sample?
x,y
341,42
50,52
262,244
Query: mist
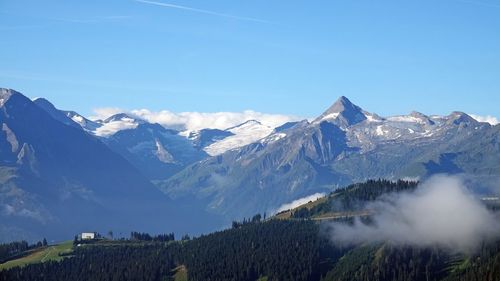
x,y
299,202
440,212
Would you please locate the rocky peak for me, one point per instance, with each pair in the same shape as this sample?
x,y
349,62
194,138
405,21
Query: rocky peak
x,y
343,112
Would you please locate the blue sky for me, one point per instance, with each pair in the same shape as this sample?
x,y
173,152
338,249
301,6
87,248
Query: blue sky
x,y
289,57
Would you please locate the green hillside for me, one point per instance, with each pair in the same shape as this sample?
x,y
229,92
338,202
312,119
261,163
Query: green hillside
x,y
50,253
347,202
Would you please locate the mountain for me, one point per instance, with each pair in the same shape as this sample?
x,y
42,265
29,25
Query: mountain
x,y
343,112
304,243
57,180
207,141
70,118
240,135
55,113
157,152
206,137
343,145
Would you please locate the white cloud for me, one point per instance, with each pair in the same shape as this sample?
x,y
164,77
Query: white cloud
x,y
298,202
440,212
109,128
186,121
102,113
488,119
193,121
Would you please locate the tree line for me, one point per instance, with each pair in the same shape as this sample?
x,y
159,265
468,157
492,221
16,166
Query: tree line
x,y
13,250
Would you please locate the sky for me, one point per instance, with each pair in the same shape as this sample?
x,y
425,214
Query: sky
x,y
281,56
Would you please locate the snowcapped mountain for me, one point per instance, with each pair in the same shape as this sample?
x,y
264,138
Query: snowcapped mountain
x,y
241,135
344,113
156,151
345,144
206,137
241,170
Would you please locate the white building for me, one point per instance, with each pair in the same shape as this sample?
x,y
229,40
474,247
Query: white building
x,y
87,235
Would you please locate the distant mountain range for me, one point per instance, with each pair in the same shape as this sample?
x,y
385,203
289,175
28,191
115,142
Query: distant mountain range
x,y
61,173
343,145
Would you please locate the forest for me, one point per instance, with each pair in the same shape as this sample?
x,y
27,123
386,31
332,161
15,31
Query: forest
x,y
16,249
270,249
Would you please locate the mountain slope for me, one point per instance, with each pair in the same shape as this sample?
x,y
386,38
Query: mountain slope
x,y
157,152
56,180
70,118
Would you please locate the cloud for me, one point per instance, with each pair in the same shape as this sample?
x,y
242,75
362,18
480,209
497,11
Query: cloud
x,y
110,128
186,121
102,113
192,121
20,211
440,212
173,6
298,202
488,119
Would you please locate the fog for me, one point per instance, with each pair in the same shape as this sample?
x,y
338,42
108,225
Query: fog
x,y
441,212
299,202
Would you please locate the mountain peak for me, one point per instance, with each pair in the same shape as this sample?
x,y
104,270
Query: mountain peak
x,y
340,105
44,103
344,112
251,122
458,117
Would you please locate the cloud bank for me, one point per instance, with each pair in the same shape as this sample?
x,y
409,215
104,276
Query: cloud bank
x,y
193,121
298,202
102,113
110,128
488,119
440,212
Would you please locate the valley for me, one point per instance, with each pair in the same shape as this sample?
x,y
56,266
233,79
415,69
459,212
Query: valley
x,y
278,248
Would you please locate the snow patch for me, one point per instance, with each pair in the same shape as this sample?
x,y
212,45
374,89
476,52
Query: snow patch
x,y
380,131
330,116
273,138
372,118
78,119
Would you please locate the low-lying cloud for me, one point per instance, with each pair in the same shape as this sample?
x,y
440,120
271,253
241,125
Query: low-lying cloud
x,y
441,212
488,119
110,128
193,121
298,202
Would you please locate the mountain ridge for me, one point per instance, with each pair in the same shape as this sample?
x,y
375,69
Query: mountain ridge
x,y
329,152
